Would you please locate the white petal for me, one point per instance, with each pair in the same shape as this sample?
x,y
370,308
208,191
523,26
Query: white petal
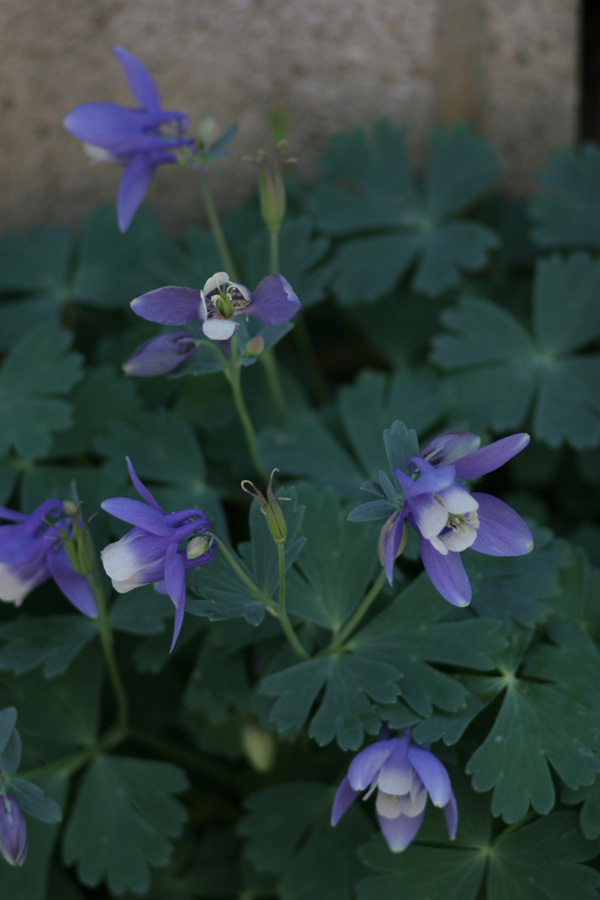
x,y
215,281
99,154
218,329
120,559
243,291
458,500
12,588
459,535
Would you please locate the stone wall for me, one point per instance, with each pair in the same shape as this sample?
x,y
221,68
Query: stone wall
x,y
508,66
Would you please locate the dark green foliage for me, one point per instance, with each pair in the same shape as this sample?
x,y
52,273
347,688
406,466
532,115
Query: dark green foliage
x,y
566,214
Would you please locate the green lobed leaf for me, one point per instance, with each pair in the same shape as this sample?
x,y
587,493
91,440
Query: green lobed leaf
x,y
288,834
34,801
218,684
142,611
123,820
52,642
568,214
35,374
10,757
542,723
411,633
346,711
589,817
542,861
36,261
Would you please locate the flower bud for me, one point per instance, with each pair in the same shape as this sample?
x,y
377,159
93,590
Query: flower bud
x,y
160,355
198,546
272,194
208,132
255,346
13,832
269,507
259,747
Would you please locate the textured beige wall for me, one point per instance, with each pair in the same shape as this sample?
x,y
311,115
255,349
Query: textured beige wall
x,y
510,66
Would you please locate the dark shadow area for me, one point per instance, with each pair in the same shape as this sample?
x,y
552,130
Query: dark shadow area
x,y
589,122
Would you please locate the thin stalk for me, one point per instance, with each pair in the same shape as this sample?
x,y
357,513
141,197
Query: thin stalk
x,y
232,373
310,360
274,251
108,650
270,368
215,225
281,610
253,588
514,827
353,621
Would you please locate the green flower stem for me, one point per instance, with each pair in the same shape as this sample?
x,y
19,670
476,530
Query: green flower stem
x,y
353,621
281,610
215,225
244,577
270,368
108,649
233,375
274,251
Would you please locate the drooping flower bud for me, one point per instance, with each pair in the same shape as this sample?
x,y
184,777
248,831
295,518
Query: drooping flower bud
x,y
198,546
14,839
255,346
76,542
160,355
259,746
269,507
384,538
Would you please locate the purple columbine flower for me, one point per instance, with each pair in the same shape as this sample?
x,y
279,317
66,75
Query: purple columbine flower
x,y
272,302
14,839
130,137
32,550
150,553
448,518
404,775
160,354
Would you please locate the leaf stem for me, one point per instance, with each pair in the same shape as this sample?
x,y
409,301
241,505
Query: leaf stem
x,y
108,650
244,577
282,612
270,368
514,827
353,621
215,225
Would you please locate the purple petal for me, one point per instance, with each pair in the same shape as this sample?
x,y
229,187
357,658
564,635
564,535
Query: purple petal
x,y
120,130
396,775
429,516
137,513
432,773
137,558
491,457
451,816
160,355
450,446
400,832
141,84
141,488
344,797
432,479
11,514
446,573
168,305
75,587
392,543
502,531
366,764
132,188
175,585
273,301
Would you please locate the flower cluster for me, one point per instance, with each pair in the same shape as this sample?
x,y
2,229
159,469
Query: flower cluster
x,y
149,553
404,774
448,518
133,138
40,546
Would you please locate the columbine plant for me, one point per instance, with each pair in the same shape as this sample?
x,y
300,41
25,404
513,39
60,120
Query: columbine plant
x,y
150,553
48,543
404,775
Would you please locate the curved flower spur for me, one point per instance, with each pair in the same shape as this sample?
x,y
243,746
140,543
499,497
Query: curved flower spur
x,y
150,553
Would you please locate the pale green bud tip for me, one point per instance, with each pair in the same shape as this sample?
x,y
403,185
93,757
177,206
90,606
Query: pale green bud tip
x,y
255,346
198,546
269,507
208,132
272,196
259,747
70,508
